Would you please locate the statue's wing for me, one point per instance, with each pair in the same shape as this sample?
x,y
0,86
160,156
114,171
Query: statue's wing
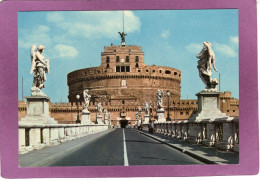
x,y
33,57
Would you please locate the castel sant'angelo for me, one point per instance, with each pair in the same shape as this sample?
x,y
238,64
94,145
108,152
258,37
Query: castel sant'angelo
x,y
122,83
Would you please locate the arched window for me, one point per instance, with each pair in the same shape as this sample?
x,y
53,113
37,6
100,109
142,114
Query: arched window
x,y
167,72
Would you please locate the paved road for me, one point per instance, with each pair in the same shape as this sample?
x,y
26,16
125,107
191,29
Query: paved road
x,y
124,147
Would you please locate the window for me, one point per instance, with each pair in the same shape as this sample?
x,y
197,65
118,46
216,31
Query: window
x,y
175,73
136,58
234,110
146,70
227,110
127,59
123,102
181,113
153,70
118,69
136,65
107,60
187,112
127,68
107,65
117,58
167,72
122,68
160,71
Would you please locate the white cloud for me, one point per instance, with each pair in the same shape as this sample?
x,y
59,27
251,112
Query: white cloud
x,y
194,47
225,50
92,24
54,17
65,51
165,34
234,39
38,35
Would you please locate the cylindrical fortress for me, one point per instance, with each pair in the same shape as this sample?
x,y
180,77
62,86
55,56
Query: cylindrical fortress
x,y
123,82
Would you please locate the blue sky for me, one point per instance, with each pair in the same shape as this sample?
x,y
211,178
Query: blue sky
x,y
75,39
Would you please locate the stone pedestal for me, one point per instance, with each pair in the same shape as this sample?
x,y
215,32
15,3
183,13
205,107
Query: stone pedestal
x,y
99,120
160,115
86,118
208,107
146,119
38,111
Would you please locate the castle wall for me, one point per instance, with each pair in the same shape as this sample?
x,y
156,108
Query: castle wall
x,y
180,110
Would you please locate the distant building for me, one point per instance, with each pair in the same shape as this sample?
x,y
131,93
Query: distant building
x,y
123,82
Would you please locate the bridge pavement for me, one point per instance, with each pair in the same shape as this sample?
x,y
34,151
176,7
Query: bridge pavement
x,y
118,147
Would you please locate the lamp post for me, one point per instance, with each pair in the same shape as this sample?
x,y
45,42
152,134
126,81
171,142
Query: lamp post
x,y
168,116
96,114
78,121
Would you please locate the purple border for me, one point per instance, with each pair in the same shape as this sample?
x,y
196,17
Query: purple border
x,y
249,147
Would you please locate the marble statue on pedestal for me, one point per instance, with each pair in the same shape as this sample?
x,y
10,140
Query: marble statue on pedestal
x,y
99,116
206,61
202,122
85,111
106,113
106,116
40,66
146,108
38,102
160,109
140,112
86,97
109,118
146,115
159,99
136,116
99,108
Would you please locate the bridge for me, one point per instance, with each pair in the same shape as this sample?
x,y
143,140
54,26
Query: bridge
x,y
102,145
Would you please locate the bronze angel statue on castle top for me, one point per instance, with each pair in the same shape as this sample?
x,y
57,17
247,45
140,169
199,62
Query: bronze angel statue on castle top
x,y
39,67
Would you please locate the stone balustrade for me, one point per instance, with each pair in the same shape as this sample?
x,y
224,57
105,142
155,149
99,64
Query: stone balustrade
x,y
220,133
34,137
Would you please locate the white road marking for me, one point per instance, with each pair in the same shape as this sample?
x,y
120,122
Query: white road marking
x,y
125,151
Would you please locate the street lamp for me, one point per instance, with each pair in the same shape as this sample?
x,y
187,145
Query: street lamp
x,y
96,114
168,116
78,121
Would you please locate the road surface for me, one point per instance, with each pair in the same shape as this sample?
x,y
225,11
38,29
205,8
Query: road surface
x,y
124,147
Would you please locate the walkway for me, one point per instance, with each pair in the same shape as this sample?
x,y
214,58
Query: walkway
x,y
209,155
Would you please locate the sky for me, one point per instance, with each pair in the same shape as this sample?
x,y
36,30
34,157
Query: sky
x,y
75,39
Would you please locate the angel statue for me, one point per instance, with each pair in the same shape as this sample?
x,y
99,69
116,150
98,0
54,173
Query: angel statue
x,y
86,99
136,116
106,113
146,108
100,109
140,112
159,99
206,61
39,67
122,37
